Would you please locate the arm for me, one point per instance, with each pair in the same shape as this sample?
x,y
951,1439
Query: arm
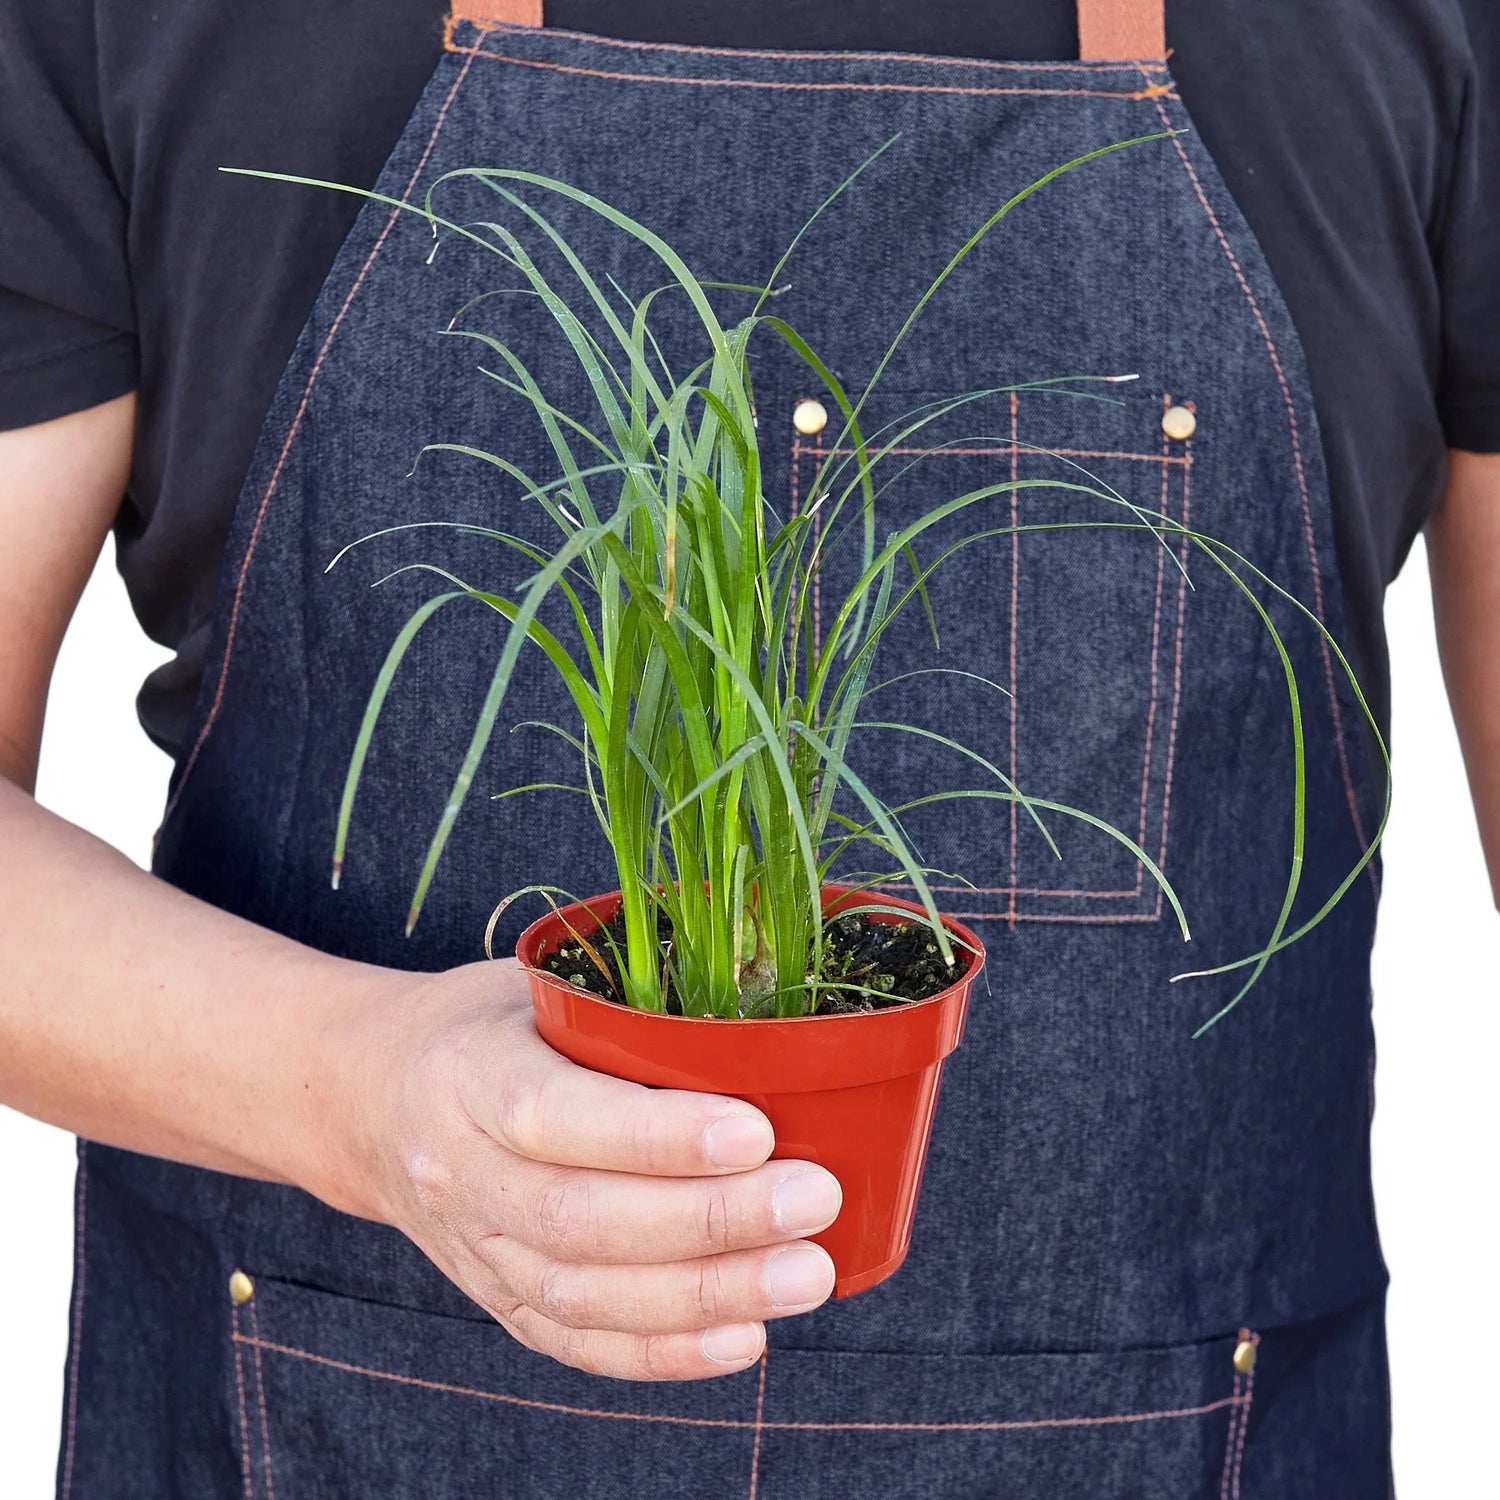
x,y
602,1223
68,1031
1463,543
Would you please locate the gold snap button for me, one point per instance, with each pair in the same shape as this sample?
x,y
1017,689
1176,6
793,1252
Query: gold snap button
x,y
809,417
1179,423
241,1289
1244,1356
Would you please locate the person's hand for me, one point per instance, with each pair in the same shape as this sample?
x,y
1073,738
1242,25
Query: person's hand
x,y
627,1231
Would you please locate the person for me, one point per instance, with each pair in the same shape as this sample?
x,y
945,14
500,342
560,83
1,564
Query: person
x,y
323,1160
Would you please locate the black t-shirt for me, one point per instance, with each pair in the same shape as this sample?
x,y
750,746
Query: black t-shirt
x,y
1361,138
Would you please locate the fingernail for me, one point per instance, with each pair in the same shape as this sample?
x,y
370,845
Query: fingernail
x,y
738,1141
799,1276
734,1344
806,1200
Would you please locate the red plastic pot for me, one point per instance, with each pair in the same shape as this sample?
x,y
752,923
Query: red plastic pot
x,y
854,1093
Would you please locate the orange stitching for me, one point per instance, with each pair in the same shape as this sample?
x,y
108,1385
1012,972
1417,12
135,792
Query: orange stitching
x,y
75,1354
738,1424
1239,1442
786,85
996,449
526,1402
760,1412
819,453
1234,1420
1182,588
797,452
1081,65
817,578
1161,576
1148,458
1307,520
1013,643
1006,890
1042,916
260,1396
239,1382
1041,1424
286,448
1097,453
1176,663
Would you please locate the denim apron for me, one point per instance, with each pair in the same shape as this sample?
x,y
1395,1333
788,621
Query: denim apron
x,y
1143,1265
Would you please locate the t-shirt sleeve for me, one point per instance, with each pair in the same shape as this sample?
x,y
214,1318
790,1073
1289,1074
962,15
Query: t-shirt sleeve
x,y
1469,250
67,327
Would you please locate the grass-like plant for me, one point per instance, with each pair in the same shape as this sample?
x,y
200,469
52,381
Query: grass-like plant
x,y
715,726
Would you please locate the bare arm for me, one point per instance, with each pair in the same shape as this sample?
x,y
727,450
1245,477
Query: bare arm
x,y
79,1015
60,485
1463,541
602,1223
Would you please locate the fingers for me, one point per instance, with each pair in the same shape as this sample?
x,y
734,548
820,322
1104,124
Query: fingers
x,y
627,1356
632,1232
681,1297
551,1110
613,1218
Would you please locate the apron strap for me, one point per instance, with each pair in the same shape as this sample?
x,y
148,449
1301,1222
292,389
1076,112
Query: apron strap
x,y
1108,30
1120,30
511,12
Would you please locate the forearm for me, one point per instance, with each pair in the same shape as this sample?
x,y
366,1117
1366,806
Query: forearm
x,y
133,1014
1464,547
604,1223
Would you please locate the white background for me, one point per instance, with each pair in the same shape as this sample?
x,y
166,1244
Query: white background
x,y
1437,988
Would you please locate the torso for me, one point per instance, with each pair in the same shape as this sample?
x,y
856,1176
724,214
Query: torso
x,y
1337,129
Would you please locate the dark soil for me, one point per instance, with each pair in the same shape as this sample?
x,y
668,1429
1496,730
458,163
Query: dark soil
x,y
899,962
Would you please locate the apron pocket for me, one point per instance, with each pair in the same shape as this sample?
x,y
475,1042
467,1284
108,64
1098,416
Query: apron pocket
x,y
1079,634
337,1396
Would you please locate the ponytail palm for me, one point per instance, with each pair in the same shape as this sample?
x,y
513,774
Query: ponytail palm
x,y
715,729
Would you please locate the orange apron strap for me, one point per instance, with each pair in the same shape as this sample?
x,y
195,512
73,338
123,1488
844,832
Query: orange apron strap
x,y
1117,30
511,12
1108,30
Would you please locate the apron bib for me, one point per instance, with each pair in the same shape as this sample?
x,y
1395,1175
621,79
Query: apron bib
x,y
1111,1209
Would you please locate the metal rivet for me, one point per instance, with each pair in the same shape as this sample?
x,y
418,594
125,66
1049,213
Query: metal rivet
x,y
1244,1356
810,417
1179,423
241,1289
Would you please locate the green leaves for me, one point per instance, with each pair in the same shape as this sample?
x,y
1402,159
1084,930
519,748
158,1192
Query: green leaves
x,y
717,732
